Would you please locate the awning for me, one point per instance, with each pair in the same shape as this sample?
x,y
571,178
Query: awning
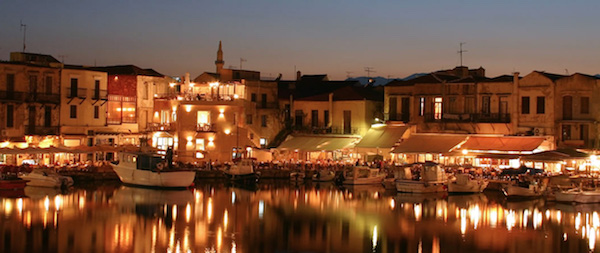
x,y
318,143
502,143
556,155
382,137
429,143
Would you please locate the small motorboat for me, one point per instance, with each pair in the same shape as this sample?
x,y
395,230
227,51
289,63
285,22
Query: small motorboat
x,y
242,170
297,176
47,178
10,181
525,189
323,176
151,170
465,183
429,177
576,195
363,175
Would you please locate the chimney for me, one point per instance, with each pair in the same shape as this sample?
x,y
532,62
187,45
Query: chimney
x,y
298,75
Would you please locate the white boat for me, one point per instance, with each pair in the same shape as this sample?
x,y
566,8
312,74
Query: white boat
x,y
242,170
323,176
297,176
578,196
526,189
464,183
363,175
144,169
47,178
432,178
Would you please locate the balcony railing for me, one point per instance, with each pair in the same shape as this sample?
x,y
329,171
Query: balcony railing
x,y
205,128
397,117
41,130
100,95
469,117
326,130
79,92
161,126
43,98
13,96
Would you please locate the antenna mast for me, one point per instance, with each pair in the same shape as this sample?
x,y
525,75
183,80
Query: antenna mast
x,y
348,74
24,29
241,60
369,70
461,51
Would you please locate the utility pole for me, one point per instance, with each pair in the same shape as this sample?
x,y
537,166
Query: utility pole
x,y
24,29
241,60
461,51
369,70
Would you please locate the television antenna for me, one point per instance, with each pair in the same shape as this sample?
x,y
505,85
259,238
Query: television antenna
x,y
461,51
242,60
369,70
348,74
23,28
63,56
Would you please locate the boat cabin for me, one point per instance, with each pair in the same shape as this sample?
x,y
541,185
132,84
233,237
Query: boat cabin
x,y
142,161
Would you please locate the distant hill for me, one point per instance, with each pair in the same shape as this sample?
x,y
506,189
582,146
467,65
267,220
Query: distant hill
x,y
597,76
378,81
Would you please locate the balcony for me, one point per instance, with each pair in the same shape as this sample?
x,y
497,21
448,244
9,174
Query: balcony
x,y
41,130
161,127
43,98
325,130
79,92
469,117
13,96
100,95
205,128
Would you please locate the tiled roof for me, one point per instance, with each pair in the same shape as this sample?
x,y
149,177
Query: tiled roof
x,y
429,78
128,70
550,76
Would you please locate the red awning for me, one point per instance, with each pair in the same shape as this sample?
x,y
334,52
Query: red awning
x,y
503,143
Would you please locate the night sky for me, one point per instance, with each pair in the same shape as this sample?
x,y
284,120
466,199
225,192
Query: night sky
x,y
395,38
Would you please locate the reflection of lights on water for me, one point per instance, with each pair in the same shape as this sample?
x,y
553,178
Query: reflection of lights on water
x,y
392,203
153,239
186,239
225,218
493,214
475,215
578,221
537,219
374,238
417,209
47,203
232,197
198,195
558,216
209,209
20,205
219,238
58,201
435,245
174,212
565,237
172,238
233,247
7,207
595,219
525,217
511,219
81,202
592,238
548,214
463,221
188,212
261,209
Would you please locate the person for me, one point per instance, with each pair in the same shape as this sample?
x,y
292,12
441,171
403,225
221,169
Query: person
x,y
169,157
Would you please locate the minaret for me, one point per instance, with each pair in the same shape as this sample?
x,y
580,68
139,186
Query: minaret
x,y
219,62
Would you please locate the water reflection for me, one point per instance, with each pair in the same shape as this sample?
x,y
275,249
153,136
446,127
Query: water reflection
x,y
293,218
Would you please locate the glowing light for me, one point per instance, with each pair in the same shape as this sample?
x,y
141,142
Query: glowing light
x,y
188,212
46,203
209,209
464,151
418,211
236,96
511,220
227,131
374,238
174,212
171,85
8,207
225,218
232,197
81,202
463,221
578,221
261,209
20,205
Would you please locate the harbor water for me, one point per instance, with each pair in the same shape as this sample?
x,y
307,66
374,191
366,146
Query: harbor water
x,y
279,216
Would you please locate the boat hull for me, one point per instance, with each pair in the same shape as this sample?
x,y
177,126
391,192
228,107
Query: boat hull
x,y
167,179
412,186
588,197
472,186
513,191
367,180
248,177
12,184
47,181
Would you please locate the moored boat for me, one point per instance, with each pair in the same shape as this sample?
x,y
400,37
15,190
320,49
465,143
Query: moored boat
x,y
525,189
242,170
12,182
577,195
429,177
323,176
297,176
150,170
363,175
465,183
47,178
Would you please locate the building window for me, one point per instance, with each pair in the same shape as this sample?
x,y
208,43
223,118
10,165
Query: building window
x,y
452,105
263,100
541,105
585,105
326,118
48,88
129,113
314,119
524,105
73,91
10,116
485,105
263,142
47,116
299,118
73,114
566,132
10,83
248,119
33,84
200,144
437,108
146,91
96,89
421,106
263,121
253,97
96,112
203,118
470,105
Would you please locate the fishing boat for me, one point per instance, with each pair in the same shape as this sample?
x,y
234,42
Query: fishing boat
x,y
363,175
242,170
11,181
465,183
297,176
47,178
151,170
577,195
525,189
428,177
323,176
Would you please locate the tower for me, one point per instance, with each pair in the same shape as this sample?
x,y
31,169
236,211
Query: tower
x,y
219,62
